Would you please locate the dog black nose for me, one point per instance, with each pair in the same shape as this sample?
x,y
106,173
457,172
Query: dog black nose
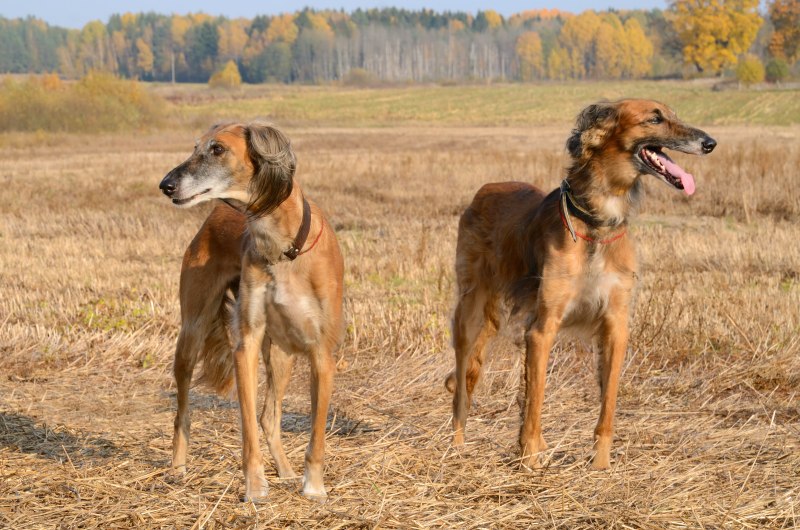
x,y
708,144
168,186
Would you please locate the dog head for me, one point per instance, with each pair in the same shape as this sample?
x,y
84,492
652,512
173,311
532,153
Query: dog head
x,y
628,137
253,164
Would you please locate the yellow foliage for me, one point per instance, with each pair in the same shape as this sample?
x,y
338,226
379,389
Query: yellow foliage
x,y
559,64
578,32
602,47
282,29
232,38
715,32
178,28
98,102
198,18
128,20
531,58
51,82
536,14
229,77
640,50
493,19
144,57
785,40
456,25
750,70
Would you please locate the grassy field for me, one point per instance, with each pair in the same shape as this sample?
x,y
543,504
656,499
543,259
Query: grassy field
x,y
707,429
481,105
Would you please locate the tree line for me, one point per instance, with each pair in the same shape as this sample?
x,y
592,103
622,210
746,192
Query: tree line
x,y
398,45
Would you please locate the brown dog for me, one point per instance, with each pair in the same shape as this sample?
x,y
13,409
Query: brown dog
x,y
264,268
564,260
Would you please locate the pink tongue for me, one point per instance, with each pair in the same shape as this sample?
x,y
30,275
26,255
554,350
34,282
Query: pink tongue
x,y
674,169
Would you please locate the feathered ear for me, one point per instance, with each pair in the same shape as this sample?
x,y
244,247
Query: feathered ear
x,y
274,164
592,127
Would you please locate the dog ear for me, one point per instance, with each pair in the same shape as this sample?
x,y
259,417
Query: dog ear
x,y
274,164
593,125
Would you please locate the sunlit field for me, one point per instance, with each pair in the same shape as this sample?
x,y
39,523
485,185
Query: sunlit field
x,y
707,429
483,105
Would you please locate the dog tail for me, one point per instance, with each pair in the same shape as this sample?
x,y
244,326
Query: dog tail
x,y
217,352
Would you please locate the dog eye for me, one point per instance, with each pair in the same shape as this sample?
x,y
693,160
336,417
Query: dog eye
x,y
217,149
655,120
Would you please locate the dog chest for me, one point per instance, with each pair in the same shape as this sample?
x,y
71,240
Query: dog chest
x,y
591,291
292,317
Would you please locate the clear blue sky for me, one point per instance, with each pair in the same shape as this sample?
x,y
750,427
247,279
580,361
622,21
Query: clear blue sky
x,y
76,13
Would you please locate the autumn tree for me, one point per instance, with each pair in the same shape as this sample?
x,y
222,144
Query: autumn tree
x,y
487,20
559,64
323,45
776,70
94,52
576,37
609,51
785,40
639,56
750,70
531,58
600,46
282,29
715,32
232,38
144,57
228,77
202,42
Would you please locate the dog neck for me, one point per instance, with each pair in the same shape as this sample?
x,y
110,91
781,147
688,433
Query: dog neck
x,y
609,205
274,235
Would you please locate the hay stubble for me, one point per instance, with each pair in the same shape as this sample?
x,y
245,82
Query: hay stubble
x,y
707,429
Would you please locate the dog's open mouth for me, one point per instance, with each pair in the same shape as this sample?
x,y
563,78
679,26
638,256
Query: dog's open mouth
x,y
666,169
179,202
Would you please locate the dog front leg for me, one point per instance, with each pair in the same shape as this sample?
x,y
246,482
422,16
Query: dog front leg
x,y
538,341
614,344
322,368
252,327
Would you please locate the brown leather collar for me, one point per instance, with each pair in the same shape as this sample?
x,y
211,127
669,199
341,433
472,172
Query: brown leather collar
x,y
302,234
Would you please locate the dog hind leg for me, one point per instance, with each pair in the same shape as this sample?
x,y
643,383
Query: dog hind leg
x,y
474,324
185,359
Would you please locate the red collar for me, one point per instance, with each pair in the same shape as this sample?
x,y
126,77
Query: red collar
x,y
321,229
584,236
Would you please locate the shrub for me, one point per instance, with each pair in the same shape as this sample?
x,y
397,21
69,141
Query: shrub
x,y
358,77
228,77
97,103
777,70
750,70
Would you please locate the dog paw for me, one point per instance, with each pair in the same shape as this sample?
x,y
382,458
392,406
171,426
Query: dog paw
x,y
602,455
458,439
175,475
531,461
316,494
256,489
263,499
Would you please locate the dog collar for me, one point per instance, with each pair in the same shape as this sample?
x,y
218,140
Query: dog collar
x,y
570,206
296,248
302,234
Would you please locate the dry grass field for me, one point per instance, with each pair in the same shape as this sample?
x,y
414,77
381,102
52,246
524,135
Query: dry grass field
x,y
708,427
